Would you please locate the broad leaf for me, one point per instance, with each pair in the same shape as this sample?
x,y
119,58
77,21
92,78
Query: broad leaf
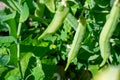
x,y
7,39
24,13
50,4
15,73
38,72
8,17
4,56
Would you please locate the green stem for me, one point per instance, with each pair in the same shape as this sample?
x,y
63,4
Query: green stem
x,y
18,48
18,51
19,29
20,69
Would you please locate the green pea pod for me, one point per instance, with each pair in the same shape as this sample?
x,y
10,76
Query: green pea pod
x,y
108,30
76,44
57,21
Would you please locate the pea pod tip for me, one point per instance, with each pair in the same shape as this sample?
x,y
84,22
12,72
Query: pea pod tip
x,y
103,63
67,65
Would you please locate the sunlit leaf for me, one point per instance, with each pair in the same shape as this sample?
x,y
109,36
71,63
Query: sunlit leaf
x,y
15,73
50,5
4,56
7,40
24,14
38,72
8,17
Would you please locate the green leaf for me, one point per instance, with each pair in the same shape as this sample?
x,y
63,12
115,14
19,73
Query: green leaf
x,y
40,8
72,21
64,35
38,72
49,67
12,27
24,60
94,69
15,73
50,37
7,17
24,14
4,56
30,5
118,59
50,4
13,78
11,22
13,55
14,5
7,39
4,59
2,69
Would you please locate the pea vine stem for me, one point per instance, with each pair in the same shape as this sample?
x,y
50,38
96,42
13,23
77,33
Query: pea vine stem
x,y
18,48
19,29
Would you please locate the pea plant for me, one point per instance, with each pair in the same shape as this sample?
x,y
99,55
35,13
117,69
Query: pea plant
x,y
59,39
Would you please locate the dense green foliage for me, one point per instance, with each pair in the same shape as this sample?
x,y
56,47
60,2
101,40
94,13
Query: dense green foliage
x,y
24,55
